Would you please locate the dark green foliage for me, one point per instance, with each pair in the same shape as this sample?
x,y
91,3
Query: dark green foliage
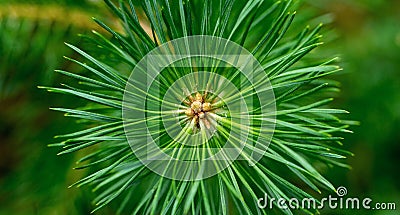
x,y
31,178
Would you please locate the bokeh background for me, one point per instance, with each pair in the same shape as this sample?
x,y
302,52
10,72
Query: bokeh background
x,y
34,180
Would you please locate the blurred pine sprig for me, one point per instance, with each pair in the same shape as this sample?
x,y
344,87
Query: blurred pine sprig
x,y
31,48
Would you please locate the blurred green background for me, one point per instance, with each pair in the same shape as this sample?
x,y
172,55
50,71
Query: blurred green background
x,y
34,180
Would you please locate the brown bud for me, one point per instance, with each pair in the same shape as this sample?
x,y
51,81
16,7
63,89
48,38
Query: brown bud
x,y
196,106
206,106
189,112
201,115
196,120
199,97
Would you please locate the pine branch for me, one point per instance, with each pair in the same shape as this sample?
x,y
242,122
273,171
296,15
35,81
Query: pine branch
x,y
307,131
